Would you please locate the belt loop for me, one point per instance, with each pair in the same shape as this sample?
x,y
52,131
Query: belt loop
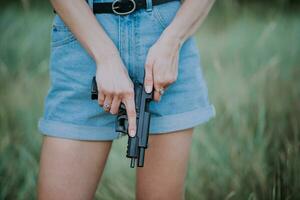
x,y
91,3
149,5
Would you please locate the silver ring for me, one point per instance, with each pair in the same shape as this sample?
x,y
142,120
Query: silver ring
x,y
106,106
161,91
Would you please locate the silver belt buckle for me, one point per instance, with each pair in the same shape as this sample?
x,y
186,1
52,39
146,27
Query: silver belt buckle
x,y
117,4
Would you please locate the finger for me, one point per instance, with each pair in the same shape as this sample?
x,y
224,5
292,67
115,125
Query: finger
x,y
101,98
148,82
115,105
107,101
156,95
131,115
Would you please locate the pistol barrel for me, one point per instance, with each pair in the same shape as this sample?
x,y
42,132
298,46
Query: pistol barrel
x,y
94,90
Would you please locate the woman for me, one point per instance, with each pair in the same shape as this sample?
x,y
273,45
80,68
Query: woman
x,y
121,43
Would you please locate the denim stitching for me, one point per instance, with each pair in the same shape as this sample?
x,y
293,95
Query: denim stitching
x,y
62,42
159,17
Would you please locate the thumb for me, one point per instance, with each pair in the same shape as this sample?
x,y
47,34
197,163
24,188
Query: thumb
x,y
148,82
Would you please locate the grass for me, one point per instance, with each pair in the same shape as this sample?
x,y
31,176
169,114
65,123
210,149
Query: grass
x,y
249,151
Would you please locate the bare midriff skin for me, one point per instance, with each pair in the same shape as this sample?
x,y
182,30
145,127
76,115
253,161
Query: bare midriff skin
x,y
72,169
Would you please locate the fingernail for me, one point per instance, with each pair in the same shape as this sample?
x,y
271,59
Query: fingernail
x,y
148,88
131,133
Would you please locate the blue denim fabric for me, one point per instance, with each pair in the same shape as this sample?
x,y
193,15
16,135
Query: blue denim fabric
x,y
70,113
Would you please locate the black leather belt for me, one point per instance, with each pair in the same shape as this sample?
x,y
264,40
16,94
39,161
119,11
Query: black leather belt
x,y
123,7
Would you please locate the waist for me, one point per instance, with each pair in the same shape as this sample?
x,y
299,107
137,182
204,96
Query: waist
x,y
124,7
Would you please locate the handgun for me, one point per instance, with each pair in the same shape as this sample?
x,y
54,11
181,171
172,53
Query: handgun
x,y
136,145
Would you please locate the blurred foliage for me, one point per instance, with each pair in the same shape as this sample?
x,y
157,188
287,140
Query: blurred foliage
x,y
250,56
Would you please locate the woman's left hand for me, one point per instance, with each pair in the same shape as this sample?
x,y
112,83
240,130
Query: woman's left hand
x,y
161,67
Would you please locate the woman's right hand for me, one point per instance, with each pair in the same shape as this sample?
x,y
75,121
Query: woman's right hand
x,y
115,86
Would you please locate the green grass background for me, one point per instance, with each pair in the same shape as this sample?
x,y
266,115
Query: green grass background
x,y
251,59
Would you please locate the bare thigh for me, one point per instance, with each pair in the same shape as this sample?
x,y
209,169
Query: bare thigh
x,y
164,171
71,169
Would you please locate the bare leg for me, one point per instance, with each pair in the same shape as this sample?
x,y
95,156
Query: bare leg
x,y
71,169
164,171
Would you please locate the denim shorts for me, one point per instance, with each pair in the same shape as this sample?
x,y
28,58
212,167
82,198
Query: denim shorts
x,y
69,111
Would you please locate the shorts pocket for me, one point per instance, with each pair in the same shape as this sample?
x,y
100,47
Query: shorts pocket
x,y
60,33
164,13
